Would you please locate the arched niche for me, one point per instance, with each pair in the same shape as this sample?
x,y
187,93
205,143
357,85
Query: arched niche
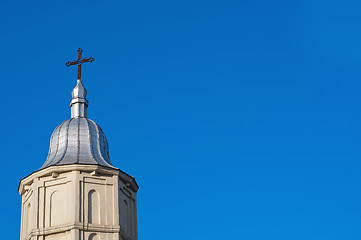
x,y
28,214
93,236
93,207
56,209
124,212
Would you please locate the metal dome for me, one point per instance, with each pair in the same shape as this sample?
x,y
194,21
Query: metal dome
x,y
78,141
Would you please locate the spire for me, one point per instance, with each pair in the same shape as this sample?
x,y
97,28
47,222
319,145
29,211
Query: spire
x,y
78,102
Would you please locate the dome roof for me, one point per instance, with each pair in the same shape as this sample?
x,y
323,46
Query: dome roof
x,y
78,141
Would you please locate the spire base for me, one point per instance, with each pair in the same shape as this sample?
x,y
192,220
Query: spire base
x,y
79,110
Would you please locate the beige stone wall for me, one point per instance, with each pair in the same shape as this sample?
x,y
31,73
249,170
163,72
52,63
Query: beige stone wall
x,y
78,202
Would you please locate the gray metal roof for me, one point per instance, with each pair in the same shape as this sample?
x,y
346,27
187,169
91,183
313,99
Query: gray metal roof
x,y
78,140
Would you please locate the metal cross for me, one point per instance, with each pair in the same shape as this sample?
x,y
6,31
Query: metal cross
x,y
79,62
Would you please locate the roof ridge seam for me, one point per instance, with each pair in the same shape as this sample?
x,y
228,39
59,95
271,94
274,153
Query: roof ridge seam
x,y
66,144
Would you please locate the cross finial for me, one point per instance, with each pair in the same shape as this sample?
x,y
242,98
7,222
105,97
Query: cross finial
x,y
79,62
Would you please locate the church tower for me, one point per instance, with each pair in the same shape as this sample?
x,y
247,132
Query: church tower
x,y
78,194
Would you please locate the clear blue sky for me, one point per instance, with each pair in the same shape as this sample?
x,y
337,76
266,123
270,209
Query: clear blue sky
x,y
239,119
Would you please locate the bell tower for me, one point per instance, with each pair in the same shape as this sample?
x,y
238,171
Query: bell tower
x,y
78,194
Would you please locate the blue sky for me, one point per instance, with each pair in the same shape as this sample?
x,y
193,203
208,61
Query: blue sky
x,y
239,119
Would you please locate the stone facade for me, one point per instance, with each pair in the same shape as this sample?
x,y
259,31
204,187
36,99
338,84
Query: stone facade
x,y
78,202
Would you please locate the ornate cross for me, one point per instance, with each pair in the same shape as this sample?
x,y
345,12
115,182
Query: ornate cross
x,y
79,62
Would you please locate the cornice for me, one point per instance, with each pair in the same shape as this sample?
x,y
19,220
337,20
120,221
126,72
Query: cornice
x,y
93,169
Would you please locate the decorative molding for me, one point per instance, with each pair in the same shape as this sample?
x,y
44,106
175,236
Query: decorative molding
x,y
125,178
55,175
80,227
77,181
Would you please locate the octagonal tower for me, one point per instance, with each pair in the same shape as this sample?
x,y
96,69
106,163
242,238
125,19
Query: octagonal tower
x,y
78,194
